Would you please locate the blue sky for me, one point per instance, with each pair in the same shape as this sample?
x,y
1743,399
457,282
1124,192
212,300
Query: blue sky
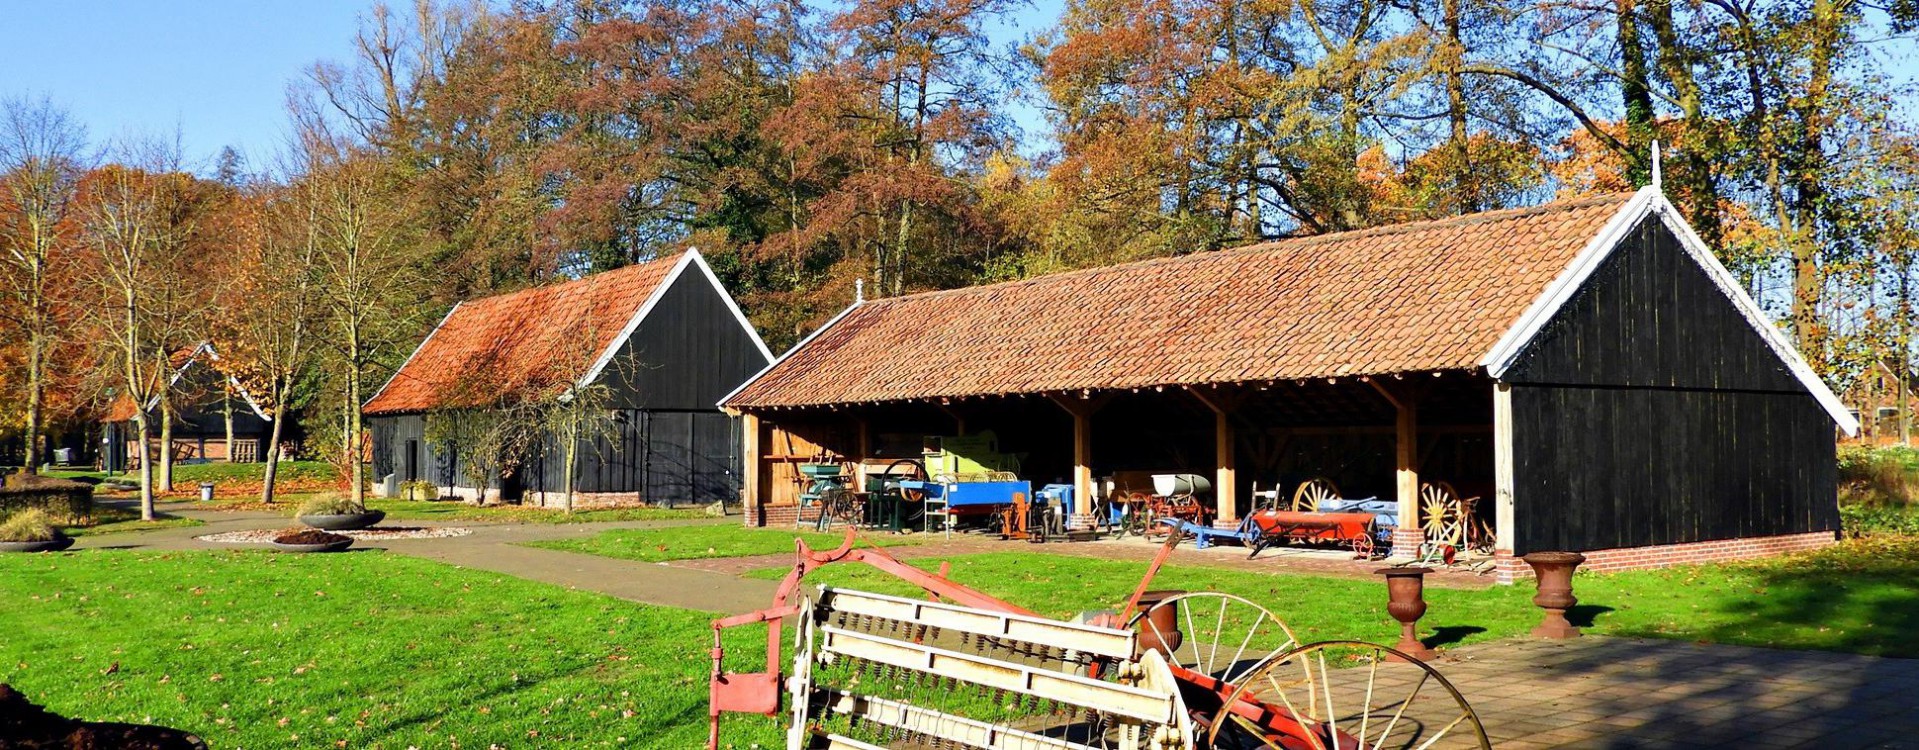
x,y
214,70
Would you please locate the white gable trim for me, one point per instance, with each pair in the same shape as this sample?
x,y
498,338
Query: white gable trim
x,y
232,382
633,324
1647,202
789,352
699,261
416,352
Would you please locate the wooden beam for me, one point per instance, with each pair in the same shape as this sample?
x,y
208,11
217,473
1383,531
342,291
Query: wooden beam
x,y
1082,409
1503,531
1222,402
750,453
864,442
1406,464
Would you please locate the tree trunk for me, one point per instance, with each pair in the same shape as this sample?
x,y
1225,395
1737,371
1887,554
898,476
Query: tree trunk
x,y
166,443
355,423
226,410
272,454
145,430
1465,188
36,390
1635,92
572,456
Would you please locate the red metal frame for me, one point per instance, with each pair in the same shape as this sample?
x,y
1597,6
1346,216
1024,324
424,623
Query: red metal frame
x,y
759,692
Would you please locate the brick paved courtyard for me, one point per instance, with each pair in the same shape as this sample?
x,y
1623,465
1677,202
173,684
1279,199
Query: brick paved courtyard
x,y
1598,692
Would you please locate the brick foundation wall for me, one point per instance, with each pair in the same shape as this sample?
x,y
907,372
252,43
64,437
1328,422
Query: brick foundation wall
x,y
1508,569
771,515
586,500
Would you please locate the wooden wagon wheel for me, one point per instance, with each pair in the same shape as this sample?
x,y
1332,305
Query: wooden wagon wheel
x,y
1306,499
1440,515
1335,695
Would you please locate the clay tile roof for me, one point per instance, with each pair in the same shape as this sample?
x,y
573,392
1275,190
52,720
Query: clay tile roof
x,y
1424,296
539,338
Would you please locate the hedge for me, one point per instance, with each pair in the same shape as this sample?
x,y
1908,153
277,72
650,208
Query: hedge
x,y
61,498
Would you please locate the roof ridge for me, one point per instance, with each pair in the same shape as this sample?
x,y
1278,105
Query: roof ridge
x,y
1482,217
581,282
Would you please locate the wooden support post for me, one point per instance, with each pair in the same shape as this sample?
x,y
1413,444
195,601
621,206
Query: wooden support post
x,y
1409,535
754,463
1503,531
1222,402
1082,410
865,442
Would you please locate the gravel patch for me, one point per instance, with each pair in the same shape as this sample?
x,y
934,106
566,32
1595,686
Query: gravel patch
x,y
263,536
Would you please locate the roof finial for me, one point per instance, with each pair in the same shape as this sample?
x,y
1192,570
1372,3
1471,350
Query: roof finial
x,y
859,290
1655,165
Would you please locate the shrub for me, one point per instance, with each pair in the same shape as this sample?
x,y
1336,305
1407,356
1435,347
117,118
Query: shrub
x,y
419,489
328,504
1875,520
61,498
1878,476
31,525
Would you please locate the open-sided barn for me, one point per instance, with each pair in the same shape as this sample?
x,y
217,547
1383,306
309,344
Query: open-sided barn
x,y
664,338
1586,366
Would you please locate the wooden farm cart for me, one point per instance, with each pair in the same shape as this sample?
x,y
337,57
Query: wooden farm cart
x,y
963,670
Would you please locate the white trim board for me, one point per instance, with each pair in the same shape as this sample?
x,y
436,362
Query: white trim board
x,y
789,352
731,304
633,324
1648,202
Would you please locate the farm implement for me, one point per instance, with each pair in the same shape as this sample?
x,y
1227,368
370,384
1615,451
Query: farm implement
x,y
958,669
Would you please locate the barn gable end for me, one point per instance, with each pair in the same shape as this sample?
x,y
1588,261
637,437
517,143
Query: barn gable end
x,y
1650,409
1650,317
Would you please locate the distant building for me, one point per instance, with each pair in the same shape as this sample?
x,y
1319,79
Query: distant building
x,y
208,407
1875,400
664,337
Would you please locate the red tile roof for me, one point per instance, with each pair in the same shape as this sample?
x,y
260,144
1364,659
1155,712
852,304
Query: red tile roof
x,y
541,338
1424,296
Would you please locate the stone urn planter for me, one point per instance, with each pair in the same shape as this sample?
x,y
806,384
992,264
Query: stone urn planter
x,y
1159,629
50,545
1554,570
1406,602
311,540
343,521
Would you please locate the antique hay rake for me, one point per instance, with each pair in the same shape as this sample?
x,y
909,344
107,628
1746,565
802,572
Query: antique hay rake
x,y
962,670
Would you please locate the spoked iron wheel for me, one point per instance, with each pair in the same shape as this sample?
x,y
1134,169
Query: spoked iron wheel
x,y
905,468
1306,499
1220,636
1346,695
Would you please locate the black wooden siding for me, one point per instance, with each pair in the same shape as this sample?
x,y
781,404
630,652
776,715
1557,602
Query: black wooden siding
x,y
1649,411
688,353
670,441
1602,468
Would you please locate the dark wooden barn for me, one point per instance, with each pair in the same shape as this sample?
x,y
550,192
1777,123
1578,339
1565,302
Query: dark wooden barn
x,y
1586,369
214,418
665,340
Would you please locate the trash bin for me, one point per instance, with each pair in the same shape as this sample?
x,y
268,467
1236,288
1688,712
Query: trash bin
x,y
206,492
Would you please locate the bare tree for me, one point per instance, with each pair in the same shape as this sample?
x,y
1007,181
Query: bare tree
x,y
268,328
135,225
41,161
361,273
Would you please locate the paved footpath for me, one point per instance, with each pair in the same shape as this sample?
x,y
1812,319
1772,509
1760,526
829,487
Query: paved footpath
x,y
496,547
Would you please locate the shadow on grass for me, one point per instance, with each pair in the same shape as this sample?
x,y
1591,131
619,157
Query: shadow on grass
x,y
1586,615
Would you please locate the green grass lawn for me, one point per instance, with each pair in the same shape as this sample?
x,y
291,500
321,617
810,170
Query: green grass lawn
x,y
1861,596
255,649
687,543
